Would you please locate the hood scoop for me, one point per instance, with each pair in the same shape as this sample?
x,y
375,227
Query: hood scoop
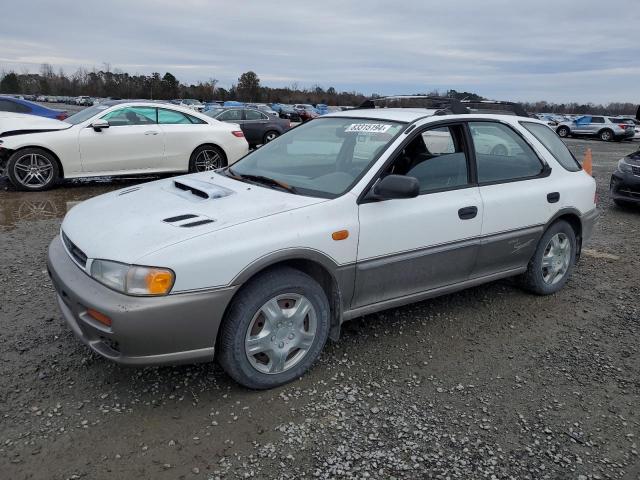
x,y
188,220
192,187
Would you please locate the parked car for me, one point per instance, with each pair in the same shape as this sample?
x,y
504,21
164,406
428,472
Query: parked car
x,y
263,108
290,113
306,112
84,101
322,109
196,105
344,216
625,181
605,128
119,138
258,127
636,125
16,105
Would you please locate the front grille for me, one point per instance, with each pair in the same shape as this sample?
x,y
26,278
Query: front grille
x,y
77,255
635,170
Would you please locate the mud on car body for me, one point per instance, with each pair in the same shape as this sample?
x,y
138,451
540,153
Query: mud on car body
x,y
259,263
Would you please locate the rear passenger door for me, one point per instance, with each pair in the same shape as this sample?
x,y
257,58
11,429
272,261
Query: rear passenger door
x,y
513,187
255,124
413,245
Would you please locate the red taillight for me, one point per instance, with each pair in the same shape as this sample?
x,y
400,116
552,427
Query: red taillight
x,y
237,133
62,115
623,125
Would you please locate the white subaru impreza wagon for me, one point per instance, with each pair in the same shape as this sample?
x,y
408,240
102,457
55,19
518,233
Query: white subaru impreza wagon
x,y
259,263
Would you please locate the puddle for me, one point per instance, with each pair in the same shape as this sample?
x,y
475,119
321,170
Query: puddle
x,y
17,207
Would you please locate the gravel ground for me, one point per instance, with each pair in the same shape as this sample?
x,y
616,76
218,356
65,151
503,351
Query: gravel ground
x,y
488,383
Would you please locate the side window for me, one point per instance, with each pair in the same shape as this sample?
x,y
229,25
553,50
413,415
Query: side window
x,y
501,154
437,158
7,106
552,142
20,108
171,117
254,115
597,120
131,116
231,115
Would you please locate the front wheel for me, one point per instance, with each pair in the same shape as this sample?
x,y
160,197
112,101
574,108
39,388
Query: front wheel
x,y
207,157
33,169
553,261
563,132
275,329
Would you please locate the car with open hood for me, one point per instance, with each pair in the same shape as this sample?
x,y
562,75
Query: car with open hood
x,y
117,138
259,263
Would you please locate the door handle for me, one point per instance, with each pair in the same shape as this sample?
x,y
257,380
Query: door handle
x,y
151,132
553,197
467,213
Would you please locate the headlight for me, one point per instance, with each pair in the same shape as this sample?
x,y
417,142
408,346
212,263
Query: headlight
x,y
133,279
624,167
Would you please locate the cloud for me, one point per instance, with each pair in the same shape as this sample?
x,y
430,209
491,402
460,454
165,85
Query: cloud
x,y
524,50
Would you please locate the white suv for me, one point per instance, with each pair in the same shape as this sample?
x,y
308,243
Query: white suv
x,y
349,214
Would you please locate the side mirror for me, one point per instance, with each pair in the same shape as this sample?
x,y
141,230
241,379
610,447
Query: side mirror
x,y
394,187
98,125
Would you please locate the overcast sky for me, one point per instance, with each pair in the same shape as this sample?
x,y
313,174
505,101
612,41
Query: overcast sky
x,y
571,50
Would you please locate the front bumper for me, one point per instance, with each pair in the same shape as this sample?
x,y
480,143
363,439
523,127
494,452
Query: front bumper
x,y
179,328
625,187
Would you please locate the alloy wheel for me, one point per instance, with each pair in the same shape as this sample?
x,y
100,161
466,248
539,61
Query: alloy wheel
x,y
208,160
281,333
33,170
556,258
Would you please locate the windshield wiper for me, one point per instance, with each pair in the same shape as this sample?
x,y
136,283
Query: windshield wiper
x,y
261,179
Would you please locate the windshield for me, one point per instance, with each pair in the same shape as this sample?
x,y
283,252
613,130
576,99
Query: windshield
x,y
322,158
85,114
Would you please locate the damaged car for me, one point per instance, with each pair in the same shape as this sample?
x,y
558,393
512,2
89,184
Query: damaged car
x,y
116,138
259,263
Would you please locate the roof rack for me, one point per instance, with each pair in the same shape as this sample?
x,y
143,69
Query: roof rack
x,y
494,106
444,105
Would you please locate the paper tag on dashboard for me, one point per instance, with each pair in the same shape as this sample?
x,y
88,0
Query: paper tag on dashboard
x,y
368,127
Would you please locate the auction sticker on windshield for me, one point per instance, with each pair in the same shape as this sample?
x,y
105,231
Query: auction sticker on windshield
x,y
368,127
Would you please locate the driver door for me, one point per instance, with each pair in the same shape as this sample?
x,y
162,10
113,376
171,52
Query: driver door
x,y
132,143
418,244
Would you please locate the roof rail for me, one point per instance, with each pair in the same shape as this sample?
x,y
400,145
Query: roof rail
x,y
444,104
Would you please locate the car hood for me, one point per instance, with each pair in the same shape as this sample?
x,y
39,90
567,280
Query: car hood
x,y
633,158
127,224
20,123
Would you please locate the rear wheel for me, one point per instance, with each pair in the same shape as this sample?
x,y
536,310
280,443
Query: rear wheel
x,y
606,135
207,157
269,136
553,261
33,169
275,329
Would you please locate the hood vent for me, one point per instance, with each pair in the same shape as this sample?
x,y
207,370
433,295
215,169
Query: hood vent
x,y
129,190
203,190
188,220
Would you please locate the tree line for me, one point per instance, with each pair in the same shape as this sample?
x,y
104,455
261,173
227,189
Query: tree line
x,y
118,84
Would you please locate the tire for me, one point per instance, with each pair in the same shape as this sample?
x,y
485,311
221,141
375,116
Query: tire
x,y
563,132
270,136
33,169
206,158
544,280
246,323
500,150
606,135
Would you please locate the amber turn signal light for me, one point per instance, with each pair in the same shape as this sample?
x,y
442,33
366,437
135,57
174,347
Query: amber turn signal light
x,y
100,317
340,235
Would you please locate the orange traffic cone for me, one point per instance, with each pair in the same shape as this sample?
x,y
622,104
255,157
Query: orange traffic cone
x,y
587,163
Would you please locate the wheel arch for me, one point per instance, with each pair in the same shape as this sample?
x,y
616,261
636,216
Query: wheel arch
x,y
225,157
336,281
573,217
40,147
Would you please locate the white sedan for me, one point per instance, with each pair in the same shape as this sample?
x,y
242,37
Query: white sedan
x,y
116,138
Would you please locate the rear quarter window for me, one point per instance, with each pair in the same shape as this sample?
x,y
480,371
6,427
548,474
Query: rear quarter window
x,y
553,144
